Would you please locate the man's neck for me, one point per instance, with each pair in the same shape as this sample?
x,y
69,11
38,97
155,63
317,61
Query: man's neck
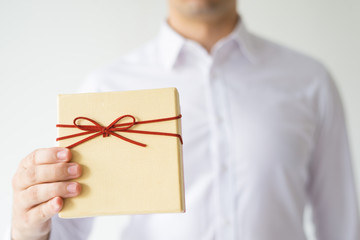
x,y
204,31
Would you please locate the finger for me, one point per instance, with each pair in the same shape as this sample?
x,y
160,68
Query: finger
x,y
46,156
43,212
40,193
48,173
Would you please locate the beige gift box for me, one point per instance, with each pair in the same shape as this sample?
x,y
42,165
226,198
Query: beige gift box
x,y
121,177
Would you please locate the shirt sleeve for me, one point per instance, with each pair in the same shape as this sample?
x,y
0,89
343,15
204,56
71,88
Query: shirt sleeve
x,y
331,184
64,229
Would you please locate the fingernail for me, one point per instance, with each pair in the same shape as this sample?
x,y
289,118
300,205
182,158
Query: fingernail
x,y
73,170
61,155
71,188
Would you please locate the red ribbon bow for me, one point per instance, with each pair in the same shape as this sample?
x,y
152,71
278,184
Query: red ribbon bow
x,y
98,130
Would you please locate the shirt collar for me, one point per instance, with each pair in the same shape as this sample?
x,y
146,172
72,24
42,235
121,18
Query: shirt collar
x,y
244,40
171,43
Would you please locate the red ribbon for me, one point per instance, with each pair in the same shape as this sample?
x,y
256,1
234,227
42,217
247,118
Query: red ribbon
x,y
98,130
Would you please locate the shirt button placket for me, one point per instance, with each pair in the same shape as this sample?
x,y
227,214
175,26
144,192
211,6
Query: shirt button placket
x,y
221,161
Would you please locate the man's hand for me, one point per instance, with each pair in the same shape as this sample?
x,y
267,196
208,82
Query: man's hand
x,y
39,186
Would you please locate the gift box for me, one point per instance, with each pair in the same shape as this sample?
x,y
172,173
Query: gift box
x,y
130,148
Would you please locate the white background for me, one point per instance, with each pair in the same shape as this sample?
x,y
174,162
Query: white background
x,y
49,47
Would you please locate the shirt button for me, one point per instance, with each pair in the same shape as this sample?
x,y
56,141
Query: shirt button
x,y
224,169
227,222
213,74
219,119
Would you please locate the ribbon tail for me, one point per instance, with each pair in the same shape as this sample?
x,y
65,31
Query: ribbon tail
x,y
127,139
84,140
74,135
157,133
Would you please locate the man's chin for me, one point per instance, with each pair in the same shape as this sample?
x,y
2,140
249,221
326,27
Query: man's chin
x,y
201,8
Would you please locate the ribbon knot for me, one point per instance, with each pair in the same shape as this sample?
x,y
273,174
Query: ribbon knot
x,y
97,129
105,132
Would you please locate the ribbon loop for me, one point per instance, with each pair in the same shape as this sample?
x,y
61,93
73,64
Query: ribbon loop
x,y
125,125
96,129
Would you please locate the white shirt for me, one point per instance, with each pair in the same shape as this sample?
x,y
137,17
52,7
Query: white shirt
x,y
264,135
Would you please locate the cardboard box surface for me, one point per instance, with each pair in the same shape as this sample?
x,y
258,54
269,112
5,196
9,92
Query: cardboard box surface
x,y
120,177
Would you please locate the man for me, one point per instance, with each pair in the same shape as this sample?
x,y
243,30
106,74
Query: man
x,y
264,135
